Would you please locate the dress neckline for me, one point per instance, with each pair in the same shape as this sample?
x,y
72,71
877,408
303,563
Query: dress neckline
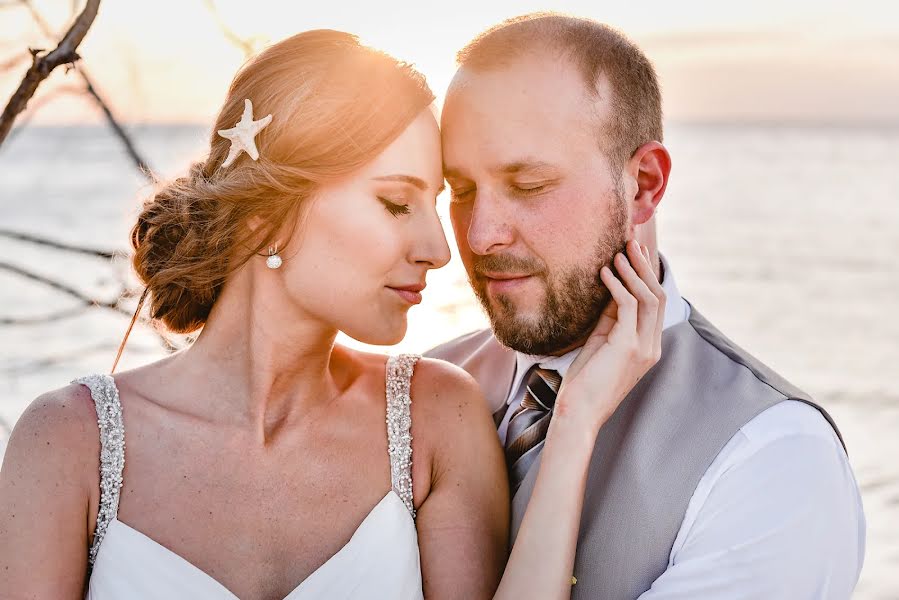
x,y
192,568
104,391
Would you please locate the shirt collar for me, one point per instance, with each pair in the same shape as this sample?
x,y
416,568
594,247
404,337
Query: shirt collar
x,y
676,311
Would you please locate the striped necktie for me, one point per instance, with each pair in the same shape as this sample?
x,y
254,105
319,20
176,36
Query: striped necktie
x,y
530,422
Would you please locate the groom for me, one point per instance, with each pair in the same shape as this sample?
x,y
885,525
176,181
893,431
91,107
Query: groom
x,y
715,478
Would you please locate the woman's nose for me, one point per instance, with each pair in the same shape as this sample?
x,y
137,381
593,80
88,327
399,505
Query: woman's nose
x,y
433,248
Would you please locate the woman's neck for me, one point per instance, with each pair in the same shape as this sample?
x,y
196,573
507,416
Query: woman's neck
x,y
268,366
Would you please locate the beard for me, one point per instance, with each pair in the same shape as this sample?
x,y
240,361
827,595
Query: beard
x,y
573,301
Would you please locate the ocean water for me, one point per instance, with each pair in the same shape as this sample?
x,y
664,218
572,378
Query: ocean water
x,y
786,237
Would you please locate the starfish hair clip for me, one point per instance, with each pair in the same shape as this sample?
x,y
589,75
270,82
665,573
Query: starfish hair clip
x,y
243,134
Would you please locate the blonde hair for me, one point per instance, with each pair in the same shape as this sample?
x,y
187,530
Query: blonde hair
x,y
336,105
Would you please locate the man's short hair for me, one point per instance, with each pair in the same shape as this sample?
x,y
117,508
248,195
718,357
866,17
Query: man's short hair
x,y
596,50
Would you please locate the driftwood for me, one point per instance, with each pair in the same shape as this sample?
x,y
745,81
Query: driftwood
x,y
43,64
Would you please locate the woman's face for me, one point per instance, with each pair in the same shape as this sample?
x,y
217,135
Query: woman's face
x,y
362,251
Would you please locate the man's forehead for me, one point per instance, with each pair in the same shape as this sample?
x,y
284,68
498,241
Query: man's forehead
x,y
530,68
527,92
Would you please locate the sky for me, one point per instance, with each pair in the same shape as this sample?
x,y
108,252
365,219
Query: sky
x,y
825,61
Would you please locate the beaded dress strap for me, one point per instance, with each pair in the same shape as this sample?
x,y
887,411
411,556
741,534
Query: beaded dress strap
x,y
112,452
399,425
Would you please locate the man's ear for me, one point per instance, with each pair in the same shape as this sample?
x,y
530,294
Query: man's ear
x,y
650,166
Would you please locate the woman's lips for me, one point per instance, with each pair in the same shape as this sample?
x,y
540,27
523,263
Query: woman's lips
x,y
408,294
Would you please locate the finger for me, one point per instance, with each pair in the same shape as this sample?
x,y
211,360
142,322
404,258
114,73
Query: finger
x,y
659,291
647,313
647,303
643,266
644,269
627,304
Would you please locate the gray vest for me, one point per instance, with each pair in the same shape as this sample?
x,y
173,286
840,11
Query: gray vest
x,y
651,454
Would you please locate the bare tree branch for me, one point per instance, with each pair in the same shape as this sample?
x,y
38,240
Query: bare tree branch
x,y
13,61
85,300
33,106
43,319
63,288
42,65
247,45
139,161
49,361
42,241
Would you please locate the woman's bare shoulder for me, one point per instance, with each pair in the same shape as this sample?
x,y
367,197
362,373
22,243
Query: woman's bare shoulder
x,y
52,459
443,383
58,426
444,397
451,404
56,440
48,494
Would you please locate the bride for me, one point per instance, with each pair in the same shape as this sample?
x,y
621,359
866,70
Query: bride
x,y
265,461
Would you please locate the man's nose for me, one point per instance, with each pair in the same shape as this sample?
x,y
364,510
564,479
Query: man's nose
x,y
489,227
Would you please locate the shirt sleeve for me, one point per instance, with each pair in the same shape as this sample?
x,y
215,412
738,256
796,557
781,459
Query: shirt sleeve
x,y
782,519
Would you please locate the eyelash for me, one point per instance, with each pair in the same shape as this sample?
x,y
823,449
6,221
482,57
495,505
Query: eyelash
x,y
458,196
533,191
393,208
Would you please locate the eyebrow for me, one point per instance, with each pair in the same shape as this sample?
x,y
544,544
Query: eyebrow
x,y
506,169
522,165
410,179
451,172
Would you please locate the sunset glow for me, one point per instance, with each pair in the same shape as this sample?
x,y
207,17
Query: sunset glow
x,y
169,60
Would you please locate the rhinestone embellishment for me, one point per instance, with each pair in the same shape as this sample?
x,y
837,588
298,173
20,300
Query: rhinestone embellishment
x,y
112,440
399,425
112,452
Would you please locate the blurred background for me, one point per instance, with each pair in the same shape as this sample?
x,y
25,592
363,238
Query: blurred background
x,y
781,220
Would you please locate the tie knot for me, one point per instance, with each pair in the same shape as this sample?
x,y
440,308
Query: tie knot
x,y
542,387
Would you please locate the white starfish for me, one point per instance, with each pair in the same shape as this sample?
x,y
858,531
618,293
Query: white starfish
x,y
243,135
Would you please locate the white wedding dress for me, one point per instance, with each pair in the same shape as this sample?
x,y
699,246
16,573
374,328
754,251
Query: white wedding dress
x,y
381,559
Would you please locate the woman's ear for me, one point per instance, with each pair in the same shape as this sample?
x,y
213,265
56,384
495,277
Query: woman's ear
x,y
650,166
254,223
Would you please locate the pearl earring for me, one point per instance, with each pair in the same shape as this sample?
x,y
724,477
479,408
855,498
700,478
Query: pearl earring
x,y
273,261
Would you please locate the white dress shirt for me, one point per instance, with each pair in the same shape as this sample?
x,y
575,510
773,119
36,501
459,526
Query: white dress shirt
x,y
777,514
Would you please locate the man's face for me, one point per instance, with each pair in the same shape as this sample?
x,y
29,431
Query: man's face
x,y
536,208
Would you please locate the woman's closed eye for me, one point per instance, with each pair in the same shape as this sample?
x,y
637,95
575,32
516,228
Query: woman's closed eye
x,y
394,208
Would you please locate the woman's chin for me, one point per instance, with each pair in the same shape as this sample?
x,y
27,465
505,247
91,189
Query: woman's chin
x,y
384,336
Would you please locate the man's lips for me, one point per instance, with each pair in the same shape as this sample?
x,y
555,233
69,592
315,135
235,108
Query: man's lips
x,y
504,276
504,282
